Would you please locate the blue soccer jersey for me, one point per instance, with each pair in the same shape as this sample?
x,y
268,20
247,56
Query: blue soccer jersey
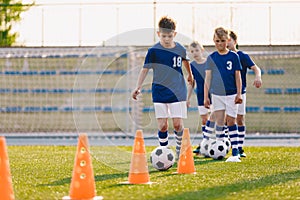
x,y
198,71
223,69
168,85
246,63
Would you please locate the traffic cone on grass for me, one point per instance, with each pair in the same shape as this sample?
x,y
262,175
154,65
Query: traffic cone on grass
x,y
186,160
138,173
83,183
6,189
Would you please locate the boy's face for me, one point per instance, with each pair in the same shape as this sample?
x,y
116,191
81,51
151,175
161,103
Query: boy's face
x,y
220,43
166,38
196,52
231,44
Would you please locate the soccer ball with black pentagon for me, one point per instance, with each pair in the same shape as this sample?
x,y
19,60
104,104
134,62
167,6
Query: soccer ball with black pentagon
x,y
217,150
162,158
228,143
204,145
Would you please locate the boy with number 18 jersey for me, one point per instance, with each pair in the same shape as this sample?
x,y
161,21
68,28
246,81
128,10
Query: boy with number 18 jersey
x,y
169,91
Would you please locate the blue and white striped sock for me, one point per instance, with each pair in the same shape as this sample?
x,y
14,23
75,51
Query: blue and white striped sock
x,y
178,136
209,128
163,138
241,133
220,135
234,139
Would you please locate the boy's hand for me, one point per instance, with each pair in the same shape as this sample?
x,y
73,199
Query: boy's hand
x,y
188,103
257,82
135,93
238,99
206,103
191,80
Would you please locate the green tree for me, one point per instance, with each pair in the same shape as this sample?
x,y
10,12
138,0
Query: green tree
x,y
10,14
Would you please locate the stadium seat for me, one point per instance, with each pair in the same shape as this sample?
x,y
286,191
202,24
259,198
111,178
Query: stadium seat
x,y
50,109
252,109
268,109
29,73
43,90
291,109
193,109
32,109
5,90
48,72
275,71
251,72
292,91
20,90
273,91
148,109
13,109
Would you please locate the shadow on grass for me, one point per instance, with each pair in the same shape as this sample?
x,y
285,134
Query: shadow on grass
x,y
224,190
97,178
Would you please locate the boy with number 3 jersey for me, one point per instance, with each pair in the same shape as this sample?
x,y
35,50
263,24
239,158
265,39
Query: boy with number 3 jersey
x,y
223,80
169,91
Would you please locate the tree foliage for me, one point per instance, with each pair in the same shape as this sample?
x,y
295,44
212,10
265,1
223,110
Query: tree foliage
x,y
10,14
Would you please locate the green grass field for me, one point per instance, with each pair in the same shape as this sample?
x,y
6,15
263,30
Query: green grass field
x,y
44,172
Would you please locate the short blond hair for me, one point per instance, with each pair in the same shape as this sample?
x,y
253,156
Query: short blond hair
x,y
196,44
221,32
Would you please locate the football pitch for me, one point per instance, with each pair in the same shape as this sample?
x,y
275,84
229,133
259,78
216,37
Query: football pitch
x,y
45,172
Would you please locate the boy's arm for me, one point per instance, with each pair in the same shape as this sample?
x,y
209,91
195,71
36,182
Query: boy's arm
x,y
141,78
206,88
238,82
190,77
190,91
257,81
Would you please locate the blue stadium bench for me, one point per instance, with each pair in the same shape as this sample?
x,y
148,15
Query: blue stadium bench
x,y
275,71
291,109
271,109
292,91
252,109
273,91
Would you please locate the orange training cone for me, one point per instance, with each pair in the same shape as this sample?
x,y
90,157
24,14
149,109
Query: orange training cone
x,y
186,159
82,184
6,189
138,173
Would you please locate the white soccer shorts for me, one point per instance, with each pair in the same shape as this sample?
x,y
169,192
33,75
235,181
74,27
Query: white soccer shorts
x,y
242,106
171,110
225,103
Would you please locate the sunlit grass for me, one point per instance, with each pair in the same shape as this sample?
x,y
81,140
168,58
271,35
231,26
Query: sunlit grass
x,y
44,172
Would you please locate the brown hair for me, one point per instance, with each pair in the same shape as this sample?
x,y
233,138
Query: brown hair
x,y
221,32
166,24
234,36
195,44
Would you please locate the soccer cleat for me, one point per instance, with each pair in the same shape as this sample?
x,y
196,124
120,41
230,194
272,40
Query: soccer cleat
x,y
242,154
233,159
197,150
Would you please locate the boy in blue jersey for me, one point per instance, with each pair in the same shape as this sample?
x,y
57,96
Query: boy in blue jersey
x,y
246,63
198,70
223,80
169,91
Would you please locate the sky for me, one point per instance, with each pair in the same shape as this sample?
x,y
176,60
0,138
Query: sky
x,y
99,22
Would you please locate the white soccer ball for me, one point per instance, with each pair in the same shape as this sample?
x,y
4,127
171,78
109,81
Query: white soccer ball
x,y
228,143
217,150
204,145
162,158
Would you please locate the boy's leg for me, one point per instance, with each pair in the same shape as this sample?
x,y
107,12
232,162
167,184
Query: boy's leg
x,y
178,112
241,134
231,112
178,137
162,131
241,125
